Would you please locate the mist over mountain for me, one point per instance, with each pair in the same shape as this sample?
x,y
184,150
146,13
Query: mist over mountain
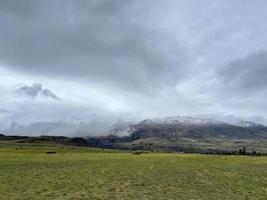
x,y
76,127
184,134
178,133
58,128
121,129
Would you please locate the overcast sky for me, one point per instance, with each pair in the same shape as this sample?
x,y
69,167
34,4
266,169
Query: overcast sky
x,y
132,59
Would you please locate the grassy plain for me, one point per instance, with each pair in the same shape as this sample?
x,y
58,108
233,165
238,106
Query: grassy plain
x,y
84,173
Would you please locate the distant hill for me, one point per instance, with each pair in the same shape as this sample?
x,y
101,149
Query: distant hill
x,y
184,134
76,141
181,134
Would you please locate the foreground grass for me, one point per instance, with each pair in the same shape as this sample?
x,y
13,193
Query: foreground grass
x,y
25,175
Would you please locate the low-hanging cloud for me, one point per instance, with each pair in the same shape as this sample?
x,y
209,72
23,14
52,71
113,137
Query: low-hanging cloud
x,y
36,90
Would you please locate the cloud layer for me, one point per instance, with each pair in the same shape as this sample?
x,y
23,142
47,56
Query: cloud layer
x,y
246,75
95,41
131,59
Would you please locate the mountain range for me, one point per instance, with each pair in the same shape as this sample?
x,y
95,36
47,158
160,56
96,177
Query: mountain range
x,y
186,134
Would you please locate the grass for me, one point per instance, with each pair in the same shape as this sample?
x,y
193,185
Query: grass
x,y
76,173
15,146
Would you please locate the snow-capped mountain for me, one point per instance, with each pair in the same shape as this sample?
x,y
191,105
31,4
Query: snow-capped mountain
x,y
181,133
123,128
181,120
247,124
77,127
187,120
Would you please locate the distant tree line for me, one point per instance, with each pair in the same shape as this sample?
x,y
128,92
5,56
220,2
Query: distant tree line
x,y
242,151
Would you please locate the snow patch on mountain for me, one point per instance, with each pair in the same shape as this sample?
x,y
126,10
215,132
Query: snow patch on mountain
x,y
247,124
182,120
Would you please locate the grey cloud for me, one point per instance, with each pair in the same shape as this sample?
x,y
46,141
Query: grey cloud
x,y
4,111
35,90
97,41
109,56
245,75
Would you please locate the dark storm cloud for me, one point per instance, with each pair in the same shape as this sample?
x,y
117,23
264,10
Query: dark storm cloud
x,y
245,75
35,90
98,41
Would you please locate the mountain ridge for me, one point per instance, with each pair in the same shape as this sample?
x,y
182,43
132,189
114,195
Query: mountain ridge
x,y
178,120
176,133
184,133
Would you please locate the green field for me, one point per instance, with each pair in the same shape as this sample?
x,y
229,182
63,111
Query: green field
x,y
83,173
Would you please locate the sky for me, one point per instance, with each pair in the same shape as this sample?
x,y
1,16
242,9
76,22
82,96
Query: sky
x,y
102,61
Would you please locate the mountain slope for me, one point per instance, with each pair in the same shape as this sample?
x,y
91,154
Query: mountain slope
x,y
185,133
